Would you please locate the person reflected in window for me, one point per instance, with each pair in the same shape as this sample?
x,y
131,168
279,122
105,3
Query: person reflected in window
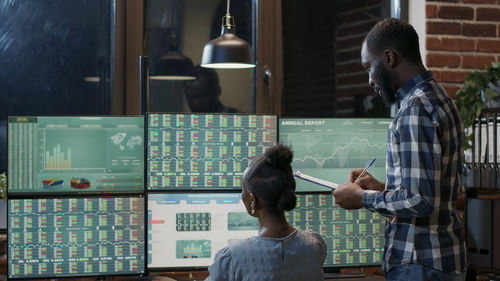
x,y
279,251
203,93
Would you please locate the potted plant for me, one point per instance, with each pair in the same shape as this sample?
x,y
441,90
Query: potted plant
x,y
3,186
481,90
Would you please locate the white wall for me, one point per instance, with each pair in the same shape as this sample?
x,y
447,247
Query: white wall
x,y
416,17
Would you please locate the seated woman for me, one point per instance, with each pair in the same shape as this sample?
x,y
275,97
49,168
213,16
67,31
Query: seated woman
x,y
279,252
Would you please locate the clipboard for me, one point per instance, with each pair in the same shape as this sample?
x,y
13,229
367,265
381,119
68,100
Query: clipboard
x,y
317,181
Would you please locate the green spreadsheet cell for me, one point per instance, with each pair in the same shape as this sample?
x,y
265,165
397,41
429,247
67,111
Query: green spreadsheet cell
x,y
377,256
350,243
362,228
350,258
349,215
362,214
349,229
362,243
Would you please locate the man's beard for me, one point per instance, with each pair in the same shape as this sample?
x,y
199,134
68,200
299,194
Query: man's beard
x,y
388,95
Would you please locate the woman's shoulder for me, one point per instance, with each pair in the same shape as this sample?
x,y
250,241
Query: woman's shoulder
x,y
238,245
313,239
310,234
241,249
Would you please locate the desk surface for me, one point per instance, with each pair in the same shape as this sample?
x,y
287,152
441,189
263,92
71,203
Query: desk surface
x,y
340,277
368,277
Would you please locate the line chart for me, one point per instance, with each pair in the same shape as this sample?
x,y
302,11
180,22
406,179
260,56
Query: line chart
x,y
329,148
322,160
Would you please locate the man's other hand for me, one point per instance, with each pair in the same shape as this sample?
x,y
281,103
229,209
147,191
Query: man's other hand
x,y
349,196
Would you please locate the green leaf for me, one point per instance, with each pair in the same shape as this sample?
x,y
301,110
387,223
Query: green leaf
x,y
490,93
468,99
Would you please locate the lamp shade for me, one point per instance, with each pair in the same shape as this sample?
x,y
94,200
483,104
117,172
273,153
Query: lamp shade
x,y
172,66
227,50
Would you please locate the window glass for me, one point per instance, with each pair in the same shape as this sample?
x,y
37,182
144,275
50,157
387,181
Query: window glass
x,y
185,27
322,73
56,59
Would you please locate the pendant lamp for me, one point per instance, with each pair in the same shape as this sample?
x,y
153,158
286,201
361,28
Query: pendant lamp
x,y
228,50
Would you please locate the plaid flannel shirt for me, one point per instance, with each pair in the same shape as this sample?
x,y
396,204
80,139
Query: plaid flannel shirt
x,y
423,179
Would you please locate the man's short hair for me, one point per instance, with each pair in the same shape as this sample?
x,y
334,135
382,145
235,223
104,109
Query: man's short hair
x,y
397,35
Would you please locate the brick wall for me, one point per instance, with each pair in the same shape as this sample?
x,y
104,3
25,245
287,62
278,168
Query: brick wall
x,y
461,35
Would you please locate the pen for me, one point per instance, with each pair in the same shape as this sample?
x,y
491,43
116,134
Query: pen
x,y
365,169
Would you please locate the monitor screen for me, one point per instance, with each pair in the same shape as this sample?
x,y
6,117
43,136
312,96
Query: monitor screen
x,y
204,151
67,237
75,154
329,149
353,238
185,230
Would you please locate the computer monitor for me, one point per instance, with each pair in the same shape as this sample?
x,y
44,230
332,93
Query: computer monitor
x,y
353,238
69,237
75,154
204,151
185,230
329,148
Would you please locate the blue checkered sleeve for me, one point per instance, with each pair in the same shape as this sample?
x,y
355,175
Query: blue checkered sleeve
x,y
414,183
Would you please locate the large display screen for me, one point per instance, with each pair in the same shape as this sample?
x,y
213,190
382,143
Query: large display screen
x,y
185,230
330,148
204,151
75,154
75,237
353,238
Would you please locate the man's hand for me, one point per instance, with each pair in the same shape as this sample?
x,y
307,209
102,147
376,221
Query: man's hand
x,y
367,181
349,196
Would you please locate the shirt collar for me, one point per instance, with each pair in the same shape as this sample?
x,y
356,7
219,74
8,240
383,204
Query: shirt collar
x,y
410,85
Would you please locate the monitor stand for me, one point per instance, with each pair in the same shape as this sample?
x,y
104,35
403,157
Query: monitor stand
x,y
335,274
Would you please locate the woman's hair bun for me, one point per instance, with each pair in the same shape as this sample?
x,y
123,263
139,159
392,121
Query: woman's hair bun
x,y
279,156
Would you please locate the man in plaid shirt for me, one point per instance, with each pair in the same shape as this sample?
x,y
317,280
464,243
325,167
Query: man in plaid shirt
x,y
424,236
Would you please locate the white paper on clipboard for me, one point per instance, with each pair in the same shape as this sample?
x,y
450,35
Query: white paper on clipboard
x,y
321,182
